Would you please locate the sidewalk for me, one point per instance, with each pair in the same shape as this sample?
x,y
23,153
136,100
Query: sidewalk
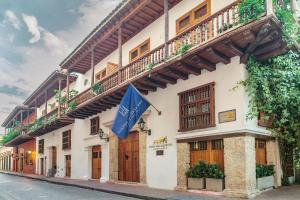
x,y
135,191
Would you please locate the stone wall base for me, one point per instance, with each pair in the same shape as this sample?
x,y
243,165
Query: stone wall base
x,y
241,193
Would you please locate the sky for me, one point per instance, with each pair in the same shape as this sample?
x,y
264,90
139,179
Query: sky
x,y
35,36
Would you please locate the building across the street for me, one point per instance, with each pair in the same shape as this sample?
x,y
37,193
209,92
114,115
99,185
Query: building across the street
x,y
185,57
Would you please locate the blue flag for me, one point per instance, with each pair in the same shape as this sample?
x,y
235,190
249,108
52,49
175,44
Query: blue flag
x,y
132,106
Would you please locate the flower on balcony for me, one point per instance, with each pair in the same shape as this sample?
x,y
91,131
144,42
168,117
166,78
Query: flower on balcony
x,y
10,135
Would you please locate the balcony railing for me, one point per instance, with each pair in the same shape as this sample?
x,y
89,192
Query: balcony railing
x,y
214,26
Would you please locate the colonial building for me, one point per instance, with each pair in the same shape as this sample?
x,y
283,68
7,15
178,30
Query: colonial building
x,y
186,57
22,152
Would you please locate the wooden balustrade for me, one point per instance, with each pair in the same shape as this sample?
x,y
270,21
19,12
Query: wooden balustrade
x,y
217,24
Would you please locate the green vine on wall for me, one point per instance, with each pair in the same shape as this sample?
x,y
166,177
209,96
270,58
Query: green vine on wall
x,y
274,88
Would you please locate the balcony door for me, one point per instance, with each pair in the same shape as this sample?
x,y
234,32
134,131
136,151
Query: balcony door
x,y
129,158
96,162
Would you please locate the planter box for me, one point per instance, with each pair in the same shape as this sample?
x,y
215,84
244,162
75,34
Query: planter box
x,y
265,182
196,183
216,185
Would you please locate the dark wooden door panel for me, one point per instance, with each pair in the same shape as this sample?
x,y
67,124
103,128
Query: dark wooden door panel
x,y
96,162
68,165
129,158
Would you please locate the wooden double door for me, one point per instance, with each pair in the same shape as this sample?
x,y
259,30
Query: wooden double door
x,y
68,165
96,162
129,158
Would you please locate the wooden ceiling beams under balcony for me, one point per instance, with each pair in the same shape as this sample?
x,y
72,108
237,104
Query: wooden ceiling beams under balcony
x,y
133,17
18,140
262,39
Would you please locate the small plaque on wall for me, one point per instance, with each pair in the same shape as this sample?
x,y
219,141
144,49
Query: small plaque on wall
x,y
227,116
160,152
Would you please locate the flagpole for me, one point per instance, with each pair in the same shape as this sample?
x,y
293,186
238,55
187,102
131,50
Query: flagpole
x,y
158,111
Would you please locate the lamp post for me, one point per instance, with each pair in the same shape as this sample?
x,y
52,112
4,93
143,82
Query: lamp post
x,y
142,127
103,136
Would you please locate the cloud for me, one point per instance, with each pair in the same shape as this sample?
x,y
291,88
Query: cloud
x,y
12,90
13,19
32,26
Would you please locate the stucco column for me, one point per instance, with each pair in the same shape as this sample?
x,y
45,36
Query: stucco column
x,y
183,164
113,157
239,164
273,158
143,157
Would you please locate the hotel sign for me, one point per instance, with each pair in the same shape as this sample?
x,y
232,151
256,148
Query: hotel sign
x,y
160,143
227,116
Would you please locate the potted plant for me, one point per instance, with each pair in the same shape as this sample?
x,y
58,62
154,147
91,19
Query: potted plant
x,y
214,178
264,176
196,175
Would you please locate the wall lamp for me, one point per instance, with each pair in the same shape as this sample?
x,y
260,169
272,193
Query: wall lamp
x,y
103,136
142,127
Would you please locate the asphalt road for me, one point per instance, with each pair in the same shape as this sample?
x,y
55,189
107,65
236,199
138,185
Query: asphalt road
x,y
18,188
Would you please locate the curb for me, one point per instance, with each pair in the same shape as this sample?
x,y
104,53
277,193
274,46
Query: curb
x,y
137,196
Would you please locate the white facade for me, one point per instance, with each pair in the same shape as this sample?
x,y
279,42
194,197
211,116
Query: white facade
x,y
164,167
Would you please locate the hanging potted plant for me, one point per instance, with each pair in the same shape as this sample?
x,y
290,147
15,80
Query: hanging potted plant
x,y
214,178
196,175
264,176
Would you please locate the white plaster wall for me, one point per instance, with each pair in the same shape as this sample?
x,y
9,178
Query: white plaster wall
x,y
167,100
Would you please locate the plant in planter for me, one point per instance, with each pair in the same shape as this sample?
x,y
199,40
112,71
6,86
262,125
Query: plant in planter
x,y
97,88
196,176
225,27
183,49
264,176
214,178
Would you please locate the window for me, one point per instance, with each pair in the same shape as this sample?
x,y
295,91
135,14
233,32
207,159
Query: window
x,y
94,126
262,121
217,144
109,69
66,140
193,17
41,146
96,154
197,108
139,51
199,146
101,75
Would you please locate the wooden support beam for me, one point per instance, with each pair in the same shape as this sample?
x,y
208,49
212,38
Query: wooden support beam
x,y
145,87
164,78
233,48
268,47
155,83
92,67
59,98
218,55
205,64
179,74
191,68
262,33
282,49
166,13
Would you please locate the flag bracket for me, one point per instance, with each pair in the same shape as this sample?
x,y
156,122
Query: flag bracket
x,y
158,111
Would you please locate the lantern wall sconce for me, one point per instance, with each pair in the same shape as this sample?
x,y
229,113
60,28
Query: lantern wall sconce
x,y
142,127
103,136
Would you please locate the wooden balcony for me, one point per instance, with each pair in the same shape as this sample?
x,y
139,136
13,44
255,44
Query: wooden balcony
x,y
215,40
18,140
48,123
